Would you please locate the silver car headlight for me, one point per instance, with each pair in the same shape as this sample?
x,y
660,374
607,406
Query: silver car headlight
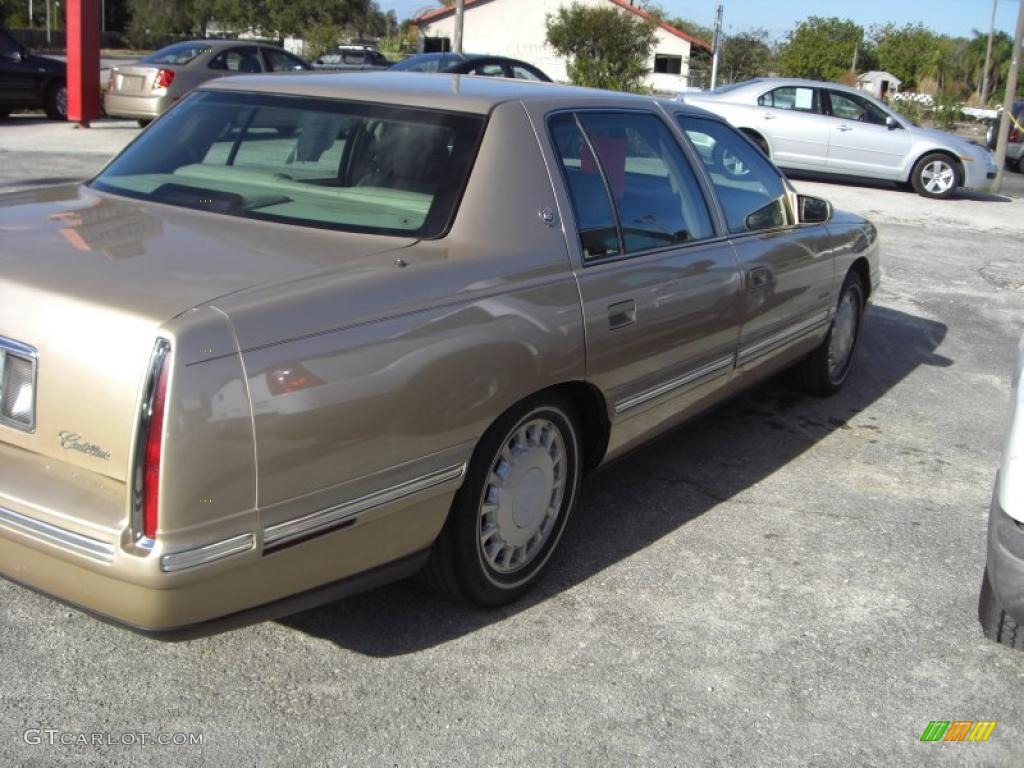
x,y
1011,475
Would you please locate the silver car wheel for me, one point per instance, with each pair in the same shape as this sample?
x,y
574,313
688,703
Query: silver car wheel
x,y
522,496
62,100
844,335
938,177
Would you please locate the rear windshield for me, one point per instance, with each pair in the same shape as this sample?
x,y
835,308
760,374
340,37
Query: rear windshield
x,y
179,53
343,165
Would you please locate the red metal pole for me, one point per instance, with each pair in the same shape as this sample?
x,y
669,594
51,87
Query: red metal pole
x,y
83,37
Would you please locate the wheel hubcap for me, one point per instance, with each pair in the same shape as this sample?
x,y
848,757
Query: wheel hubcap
x,y
938,177
62,101
844,334
523,496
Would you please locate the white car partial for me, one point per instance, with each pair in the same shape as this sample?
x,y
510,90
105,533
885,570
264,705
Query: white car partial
x,y
806,125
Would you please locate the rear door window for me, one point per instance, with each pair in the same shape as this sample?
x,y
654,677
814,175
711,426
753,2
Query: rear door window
x,y
595,219
794,97
635,163
241,60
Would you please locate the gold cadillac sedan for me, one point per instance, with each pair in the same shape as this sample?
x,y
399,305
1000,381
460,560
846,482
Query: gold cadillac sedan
x,y
311,333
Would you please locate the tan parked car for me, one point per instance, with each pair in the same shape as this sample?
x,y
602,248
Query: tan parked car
x,y
317,332
145,89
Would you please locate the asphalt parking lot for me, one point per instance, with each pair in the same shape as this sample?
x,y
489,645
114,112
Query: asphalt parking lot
x,y
785,581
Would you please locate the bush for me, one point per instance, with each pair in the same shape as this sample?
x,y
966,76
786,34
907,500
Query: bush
x,y
606,48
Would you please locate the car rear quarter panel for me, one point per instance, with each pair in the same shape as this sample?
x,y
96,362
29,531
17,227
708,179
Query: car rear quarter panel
x,y
412,354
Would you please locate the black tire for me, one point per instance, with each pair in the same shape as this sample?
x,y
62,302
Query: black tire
x,y
57,101
5,113
143,122
457,567
996,623
936,163
1013,165
760,142
816,374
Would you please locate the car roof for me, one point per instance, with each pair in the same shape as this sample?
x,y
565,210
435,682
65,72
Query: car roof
x,y
218,45
763,83
459,93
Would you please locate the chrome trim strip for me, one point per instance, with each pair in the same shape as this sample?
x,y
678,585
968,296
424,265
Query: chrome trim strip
x,y
786,334
303,526
101,551
161,349
30,353
669,386
191,558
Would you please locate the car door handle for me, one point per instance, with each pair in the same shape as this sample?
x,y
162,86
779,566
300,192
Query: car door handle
x,y
769,116
621,314
845,128
758,278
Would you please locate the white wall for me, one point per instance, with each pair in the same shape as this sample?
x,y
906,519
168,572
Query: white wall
x,y
518,29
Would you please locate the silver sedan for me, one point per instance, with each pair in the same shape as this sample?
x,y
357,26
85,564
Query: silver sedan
x,y
829,128
146,88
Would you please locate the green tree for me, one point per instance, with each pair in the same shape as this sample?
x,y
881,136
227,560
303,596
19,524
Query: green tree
x,y
907,52
746,55
820,48
605,47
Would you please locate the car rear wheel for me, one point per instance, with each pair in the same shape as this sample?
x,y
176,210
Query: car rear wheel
x,y
826,369
935,176
57,101
995,622
508,517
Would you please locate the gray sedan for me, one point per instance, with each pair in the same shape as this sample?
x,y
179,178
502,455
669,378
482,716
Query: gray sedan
x,y
829,128
146,88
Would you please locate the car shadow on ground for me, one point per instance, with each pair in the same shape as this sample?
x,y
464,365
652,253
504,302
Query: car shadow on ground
x,y
959,194
667,484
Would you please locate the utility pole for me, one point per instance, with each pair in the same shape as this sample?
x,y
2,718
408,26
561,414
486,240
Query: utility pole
x,y
1011,96
856,50
715,45
988,56
460,15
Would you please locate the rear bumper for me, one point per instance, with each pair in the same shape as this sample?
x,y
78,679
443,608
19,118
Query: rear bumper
x,y
1014,151
1006,559
105,578
144,107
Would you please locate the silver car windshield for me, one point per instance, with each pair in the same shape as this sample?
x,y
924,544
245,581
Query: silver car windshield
x,y
358,167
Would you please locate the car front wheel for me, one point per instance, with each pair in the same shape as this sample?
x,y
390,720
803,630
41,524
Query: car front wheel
x,y
935,175
825,370
507,519
57,102
995,622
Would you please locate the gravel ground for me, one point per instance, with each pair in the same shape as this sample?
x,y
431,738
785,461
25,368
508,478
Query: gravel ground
x,y
786,581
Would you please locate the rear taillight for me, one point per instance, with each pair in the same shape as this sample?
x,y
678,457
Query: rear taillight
x,y
1014,136
149,446
164,77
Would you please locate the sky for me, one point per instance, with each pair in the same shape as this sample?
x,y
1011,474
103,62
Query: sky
x,y
952,17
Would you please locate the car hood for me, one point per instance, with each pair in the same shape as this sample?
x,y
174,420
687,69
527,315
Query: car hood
x,y
46,64
949,140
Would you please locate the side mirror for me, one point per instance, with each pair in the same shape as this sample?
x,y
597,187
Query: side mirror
x,y
813,210
890,123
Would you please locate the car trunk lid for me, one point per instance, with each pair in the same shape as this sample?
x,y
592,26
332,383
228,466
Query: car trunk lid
x,y
87,279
